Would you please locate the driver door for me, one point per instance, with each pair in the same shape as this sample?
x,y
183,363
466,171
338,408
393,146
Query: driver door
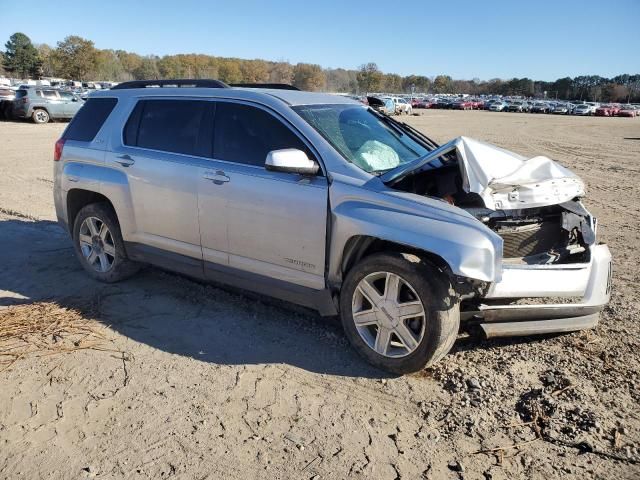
x,y
70,104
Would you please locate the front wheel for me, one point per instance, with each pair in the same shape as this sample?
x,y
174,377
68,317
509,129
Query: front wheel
x,y
99,245
399,312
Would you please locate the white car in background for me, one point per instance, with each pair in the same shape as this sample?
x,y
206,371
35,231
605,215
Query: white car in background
x,y
497,106
561,108
583,109
402,106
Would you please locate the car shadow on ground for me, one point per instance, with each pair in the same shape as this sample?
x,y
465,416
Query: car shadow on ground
x,y
170,312
178,315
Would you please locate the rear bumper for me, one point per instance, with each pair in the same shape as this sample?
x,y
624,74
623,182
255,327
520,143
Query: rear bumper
x,y
590,281
20,112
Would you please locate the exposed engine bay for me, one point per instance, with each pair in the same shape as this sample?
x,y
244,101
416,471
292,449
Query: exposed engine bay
x,y
533,204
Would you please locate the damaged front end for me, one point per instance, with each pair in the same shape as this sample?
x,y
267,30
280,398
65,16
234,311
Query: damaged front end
x,y
549,238
533,204
541,235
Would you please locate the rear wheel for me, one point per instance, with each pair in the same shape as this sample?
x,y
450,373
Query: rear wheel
x,y
40,115
99,246
399,312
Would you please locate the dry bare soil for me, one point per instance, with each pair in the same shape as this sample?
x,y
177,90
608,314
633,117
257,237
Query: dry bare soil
x,y
162,377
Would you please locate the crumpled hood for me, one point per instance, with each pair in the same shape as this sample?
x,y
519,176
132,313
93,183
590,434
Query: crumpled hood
x,y
506,180
503,179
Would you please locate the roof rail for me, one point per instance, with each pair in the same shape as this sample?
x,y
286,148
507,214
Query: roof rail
x,y
274,86
183,82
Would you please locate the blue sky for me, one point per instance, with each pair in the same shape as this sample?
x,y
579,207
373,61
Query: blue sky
x,y
539,39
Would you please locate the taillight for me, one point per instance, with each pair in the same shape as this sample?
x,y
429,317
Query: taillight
x,y
57,151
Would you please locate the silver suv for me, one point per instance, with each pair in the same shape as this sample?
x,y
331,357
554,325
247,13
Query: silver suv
x,y
324,202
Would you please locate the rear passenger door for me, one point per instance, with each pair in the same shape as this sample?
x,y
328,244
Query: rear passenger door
x,y
164,144
275,222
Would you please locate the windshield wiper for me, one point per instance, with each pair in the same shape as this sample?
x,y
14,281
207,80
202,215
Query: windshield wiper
x,y
405,128
389,121
419,134
377,173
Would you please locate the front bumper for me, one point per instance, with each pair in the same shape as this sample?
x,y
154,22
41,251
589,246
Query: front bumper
x,y
591,281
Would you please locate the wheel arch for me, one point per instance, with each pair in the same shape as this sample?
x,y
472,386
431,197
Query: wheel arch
x,y
40,107
78,198
361,246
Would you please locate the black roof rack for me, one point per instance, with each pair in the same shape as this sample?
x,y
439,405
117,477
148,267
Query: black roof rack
x,y
183,82
274,86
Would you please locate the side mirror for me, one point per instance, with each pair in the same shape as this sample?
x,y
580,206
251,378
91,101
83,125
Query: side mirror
x,y
291,160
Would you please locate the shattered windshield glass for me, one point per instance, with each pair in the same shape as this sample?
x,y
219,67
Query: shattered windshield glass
x,y
362,137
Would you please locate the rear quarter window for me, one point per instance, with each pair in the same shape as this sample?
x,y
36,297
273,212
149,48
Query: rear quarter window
x,y
89,119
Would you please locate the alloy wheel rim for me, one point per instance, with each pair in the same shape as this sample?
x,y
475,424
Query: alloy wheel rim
x,y
96,244
41,116
388,314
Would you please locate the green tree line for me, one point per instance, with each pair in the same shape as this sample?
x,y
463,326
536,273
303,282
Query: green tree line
x,y
77,58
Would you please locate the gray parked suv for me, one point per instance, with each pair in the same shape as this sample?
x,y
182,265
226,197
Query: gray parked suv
x,y
42,104
322,201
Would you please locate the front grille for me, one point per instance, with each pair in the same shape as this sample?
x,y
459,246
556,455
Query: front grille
x,y
523,240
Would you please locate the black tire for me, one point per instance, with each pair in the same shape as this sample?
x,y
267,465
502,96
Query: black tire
x,y
40,115
121,267
441,305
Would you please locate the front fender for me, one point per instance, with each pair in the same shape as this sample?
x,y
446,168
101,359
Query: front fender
x,y
469,248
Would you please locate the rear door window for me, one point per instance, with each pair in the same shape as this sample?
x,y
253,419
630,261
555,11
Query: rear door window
x,y
177,126
246,134
89,119
50,94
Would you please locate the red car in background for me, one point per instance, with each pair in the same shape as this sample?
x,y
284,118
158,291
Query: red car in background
x,y
462,105
420,103
478,104
607,110
627,111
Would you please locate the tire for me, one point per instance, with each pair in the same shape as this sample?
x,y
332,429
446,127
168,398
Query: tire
x,y
110,245
40,115
433,331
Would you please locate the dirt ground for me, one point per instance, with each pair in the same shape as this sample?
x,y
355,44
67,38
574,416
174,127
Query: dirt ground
x,y
191,381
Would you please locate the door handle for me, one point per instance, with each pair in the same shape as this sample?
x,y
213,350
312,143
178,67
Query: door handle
x,y
216,177
125,160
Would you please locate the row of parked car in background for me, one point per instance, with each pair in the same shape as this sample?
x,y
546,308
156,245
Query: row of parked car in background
x,y
43,101
564,108
393,105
